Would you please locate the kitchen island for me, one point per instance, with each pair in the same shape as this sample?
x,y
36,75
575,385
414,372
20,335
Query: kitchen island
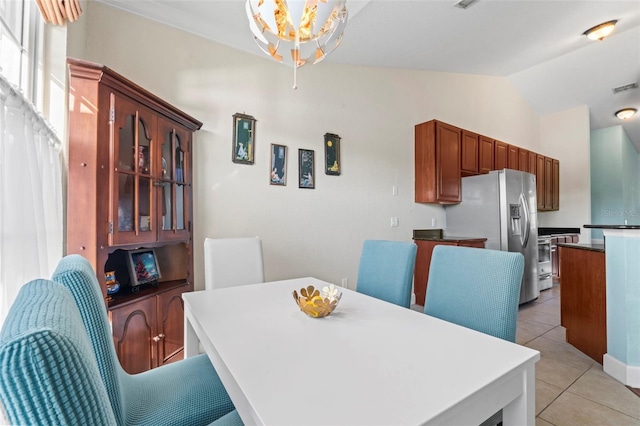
x,y
583,310
622,255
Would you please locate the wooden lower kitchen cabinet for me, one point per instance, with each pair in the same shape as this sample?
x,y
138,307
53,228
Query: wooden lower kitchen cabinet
x,y
423,260
555,261
583,309
148,332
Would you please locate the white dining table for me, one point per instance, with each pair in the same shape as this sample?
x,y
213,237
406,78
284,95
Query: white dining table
x,y
368,363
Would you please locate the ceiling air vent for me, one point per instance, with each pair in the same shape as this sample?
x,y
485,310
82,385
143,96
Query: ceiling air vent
x,y
463,4
625,87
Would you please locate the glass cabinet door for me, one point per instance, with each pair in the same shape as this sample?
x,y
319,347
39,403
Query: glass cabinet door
x,y
133,215
175,209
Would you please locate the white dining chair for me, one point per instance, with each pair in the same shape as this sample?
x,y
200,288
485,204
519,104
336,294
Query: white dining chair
x,y
232,261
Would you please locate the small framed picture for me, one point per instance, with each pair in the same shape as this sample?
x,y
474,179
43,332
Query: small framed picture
x,y
278,165
244,127
143,159
331,154
306,173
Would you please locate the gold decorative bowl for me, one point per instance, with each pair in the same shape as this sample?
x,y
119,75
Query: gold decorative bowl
x,y
316,304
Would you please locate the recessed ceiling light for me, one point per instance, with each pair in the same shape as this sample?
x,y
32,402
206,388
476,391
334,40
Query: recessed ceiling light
x,y
626,113
600,31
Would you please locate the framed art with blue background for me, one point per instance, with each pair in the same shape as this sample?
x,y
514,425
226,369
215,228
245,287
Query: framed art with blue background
x,y
244,127
306,173
278,165
331,154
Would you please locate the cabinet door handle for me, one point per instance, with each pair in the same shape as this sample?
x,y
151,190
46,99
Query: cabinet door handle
x,y
158,337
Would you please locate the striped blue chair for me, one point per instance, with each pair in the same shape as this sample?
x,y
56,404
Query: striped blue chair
x,y
187,392
48,372
476,288
386,270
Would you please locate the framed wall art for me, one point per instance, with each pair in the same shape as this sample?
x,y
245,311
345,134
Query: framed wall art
x,y
278,165
306,173
331,154
244,127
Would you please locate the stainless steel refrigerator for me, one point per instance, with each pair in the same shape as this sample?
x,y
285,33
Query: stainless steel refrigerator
x,y
501,207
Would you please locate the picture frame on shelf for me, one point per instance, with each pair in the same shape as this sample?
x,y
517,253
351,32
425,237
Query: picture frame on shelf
x,y
278,173
142,158
243,147
306,172
332,154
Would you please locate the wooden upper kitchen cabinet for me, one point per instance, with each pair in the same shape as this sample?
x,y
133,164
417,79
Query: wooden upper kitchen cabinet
x,y
555,200
532,162
469,158
513,157
129,188
485,154
501,155
523,160
437,163
445,153
548,183
540,181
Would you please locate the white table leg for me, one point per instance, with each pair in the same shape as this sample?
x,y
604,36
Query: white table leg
x,y
522,410
190,337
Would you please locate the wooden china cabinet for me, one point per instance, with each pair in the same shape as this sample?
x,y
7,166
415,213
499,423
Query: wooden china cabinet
x,y
129,188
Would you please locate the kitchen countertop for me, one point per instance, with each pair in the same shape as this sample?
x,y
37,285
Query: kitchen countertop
x,y
584,246
437,235
613,226
450,239
544,231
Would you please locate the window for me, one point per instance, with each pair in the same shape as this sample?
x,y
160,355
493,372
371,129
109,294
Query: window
x,y
21,30
31,196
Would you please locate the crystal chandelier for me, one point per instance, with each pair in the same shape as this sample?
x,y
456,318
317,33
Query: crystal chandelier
x,y
295,32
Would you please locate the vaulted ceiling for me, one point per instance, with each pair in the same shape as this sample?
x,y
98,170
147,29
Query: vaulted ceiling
x,y
538,45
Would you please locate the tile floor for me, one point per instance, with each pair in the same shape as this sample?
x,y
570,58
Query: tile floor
x,y
571,388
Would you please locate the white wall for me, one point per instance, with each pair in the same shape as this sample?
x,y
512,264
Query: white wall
x,y
565,136
305,232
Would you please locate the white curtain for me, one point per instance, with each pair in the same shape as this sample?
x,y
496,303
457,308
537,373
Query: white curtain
x,y
31,222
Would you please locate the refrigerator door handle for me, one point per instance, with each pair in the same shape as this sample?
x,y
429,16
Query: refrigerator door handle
x,y
527,220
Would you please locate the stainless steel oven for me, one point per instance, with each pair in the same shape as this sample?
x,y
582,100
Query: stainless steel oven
x,y
544,263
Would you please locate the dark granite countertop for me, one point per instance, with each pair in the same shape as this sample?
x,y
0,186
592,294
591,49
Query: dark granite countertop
x,y
437,235
613,226
584,246
450,239
543,231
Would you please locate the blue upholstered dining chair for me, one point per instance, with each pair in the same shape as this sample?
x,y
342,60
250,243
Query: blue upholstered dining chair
x,y
386,270
48,372
476,288
186,392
